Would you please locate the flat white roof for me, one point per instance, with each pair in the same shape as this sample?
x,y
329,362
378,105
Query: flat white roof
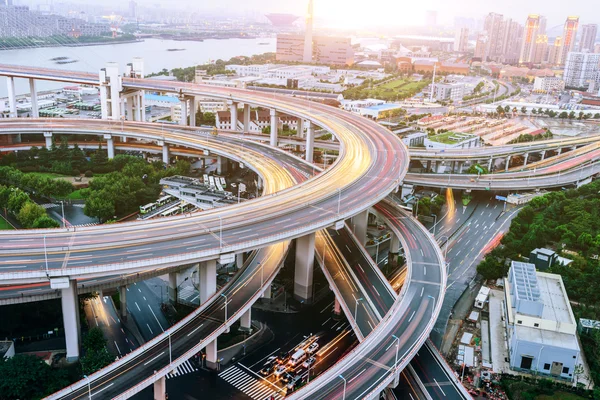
x,y
547,338
556,303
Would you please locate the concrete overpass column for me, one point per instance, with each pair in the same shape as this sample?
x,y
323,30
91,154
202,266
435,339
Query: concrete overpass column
x,y
461,164
70,310
300,130
137,107
233,111
165,153
12,99
267,293
142,95
543,154
239,260
247,112
184,112
48,137
221,165
303,275
246,319
507,164
123,301
490,164
104,102
129,109
310,141
337,308
211,354
172,289
160,389
525,158
394,244
453,168
359,226
193,110
428,166
208,280
274,127
110,146
35,111
559,151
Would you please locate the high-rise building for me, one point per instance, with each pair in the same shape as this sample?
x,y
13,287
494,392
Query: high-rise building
x,y
541,49
588,37
308,37
327,49
532,26
494,27
481,46
580,68
542,25
554,51
568,38
513,34
461,40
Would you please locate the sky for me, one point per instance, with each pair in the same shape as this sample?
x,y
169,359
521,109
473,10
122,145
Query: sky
x,y
358,13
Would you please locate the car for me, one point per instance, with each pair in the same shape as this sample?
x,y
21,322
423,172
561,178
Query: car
x,y
312,348
267,369
287,378
280,370
308,363
293,383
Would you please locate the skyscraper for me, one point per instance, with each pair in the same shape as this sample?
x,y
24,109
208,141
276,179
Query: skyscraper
x,y
532,26
481,46
568,38
494,27
513,33
308,37
542,25
580,68
461,40
541,49
554,51
588,37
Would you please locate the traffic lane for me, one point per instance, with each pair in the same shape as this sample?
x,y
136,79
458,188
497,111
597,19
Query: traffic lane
x,y
407,388
363,269
145,307
142,365
433,376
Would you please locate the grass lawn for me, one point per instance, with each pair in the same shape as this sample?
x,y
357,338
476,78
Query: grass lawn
x,y
50,175
4,225
393,84
75,195
560,396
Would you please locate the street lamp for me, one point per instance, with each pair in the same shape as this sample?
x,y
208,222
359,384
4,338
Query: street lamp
x,y
397,339
220,232
46,254
356,307
339,199
434,223
89,387
62,205
344,379
261,273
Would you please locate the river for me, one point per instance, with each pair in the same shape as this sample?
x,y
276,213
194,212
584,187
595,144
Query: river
x,y
153,51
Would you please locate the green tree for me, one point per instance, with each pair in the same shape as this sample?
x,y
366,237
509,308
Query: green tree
x,y
78,160
524,110
29,377
99,207
45,222
96,354
16,200
29,213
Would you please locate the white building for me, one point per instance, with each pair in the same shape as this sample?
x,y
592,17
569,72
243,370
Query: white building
x,y
580,68
541,327
449,91
250,70
545,84
356,105
452,140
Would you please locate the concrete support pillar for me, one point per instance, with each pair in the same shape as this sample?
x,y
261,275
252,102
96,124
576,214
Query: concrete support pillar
x,y
208,280
160,389
267,293
246,319
461,164
233,111
559,151
310,142
172,289
300,131
221,165
165,153
394,244
123,301
337,308
138,106
12,98
104,102
129,109
247,112
48,138
193,110
211,354
274,127
70,311
184,112
110,146
35,111
543,154
359,226
525,159
305,260
490,164
239,260
453,168
142,105
507,164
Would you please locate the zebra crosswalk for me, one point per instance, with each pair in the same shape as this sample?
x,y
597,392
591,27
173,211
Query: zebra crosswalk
x,y
185,368
255,388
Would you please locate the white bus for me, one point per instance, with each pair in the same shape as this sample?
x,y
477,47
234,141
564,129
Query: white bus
x,y
297,358
147,208
164,200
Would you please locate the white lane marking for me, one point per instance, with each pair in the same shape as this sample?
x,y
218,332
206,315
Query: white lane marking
x,y
422,255
194,241
361,268
248,236
424,270
150,329
265,357
422,289
348,249
411,316
104,388
438,385
138,307
152,311
375,289
136,250
198,247
148,362
118,349
359,374
192,332
326,307
323,324
140,255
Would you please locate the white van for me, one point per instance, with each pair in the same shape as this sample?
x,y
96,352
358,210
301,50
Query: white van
x,y
297,358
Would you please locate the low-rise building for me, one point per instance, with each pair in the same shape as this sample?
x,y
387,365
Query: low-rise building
x,y
416,139
452,140
545,84
381,111
449,91
357,105
541,327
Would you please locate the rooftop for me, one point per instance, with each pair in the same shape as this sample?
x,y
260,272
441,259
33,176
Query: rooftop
x,y
547,337
384,107
556,303
450,137
589,323
156,97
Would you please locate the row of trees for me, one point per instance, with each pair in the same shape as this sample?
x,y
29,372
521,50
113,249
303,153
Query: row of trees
x,y
28,213
547,112
133,182
35,184
58,158
524,138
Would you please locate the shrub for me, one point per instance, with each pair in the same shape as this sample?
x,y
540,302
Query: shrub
x,y
89,174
